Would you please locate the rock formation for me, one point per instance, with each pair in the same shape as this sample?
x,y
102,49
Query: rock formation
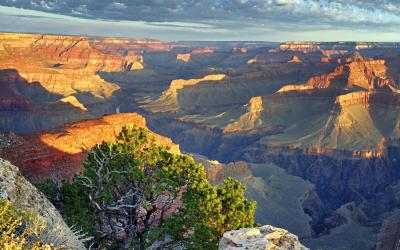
x,y
168,101
357,72
126,45
183,57
334,48
59,153
240,50
62,65
326,59
295,59
262,238
251,119
27,106
23,195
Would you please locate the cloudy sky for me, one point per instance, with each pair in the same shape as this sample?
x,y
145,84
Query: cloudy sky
x,y
171,20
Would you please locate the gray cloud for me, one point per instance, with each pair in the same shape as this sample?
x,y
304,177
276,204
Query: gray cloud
x,y
287,15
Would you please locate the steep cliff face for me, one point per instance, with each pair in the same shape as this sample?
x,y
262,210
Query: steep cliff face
x,y
265,237
62,65
26,107
388,237
125,45
23,195
59,153
358,72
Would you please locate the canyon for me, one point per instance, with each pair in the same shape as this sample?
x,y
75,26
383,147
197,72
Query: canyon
x,y
311,128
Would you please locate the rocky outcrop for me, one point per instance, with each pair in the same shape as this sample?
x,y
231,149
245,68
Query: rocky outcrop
x,y
295,59
74,102
168,101
23,195
59,153
251,119
217,172
183,57
326,59
262,238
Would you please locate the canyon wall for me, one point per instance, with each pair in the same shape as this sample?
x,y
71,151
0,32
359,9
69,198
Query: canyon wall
x,y
59,153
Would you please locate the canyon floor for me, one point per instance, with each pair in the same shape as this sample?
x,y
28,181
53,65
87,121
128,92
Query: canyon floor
x,y
312,129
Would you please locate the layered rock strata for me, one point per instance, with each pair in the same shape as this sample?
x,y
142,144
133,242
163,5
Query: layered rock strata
x,y
59,153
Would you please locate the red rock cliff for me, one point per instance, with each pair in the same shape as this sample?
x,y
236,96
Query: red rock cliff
x,y
60,153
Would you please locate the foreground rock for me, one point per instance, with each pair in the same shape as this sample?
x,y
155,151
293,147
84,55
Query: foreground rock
x,y
262,238
14,187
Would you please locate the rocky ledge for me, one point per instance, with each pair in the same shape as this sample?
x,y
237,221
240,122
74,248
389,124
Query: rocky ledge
x,y
23,195
262,238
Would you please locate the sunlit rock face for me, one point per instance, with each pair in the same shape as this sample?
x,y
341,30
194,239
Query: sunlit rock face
x,y
169,101
60,153
356,72
265,237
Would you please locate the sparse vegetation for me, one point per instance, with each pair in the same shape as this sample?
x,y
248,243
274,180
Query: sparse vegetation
x,y
134,193
20,230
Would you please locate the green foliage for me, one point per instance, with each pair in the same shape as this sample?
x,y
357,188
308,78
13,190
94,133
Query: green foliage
x,y
139,184
72,203
209,211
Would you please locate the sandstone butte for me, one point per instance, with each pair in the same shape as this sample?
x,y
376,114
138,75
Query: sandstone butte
x,y
66,65
250,119
60,153
295,59
367,74
168,101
